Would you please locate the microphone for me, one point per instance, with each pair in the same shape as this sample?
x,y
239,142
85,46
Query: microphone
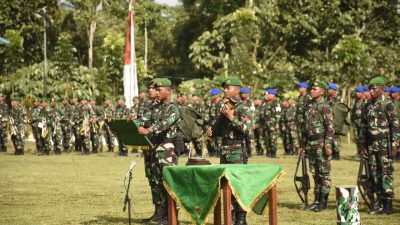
x,y
133,164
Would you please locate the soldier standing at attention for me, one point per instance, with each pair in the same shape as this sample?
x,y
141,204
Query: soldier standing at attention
x,y
233,125
109,111
246,100
271,125
121,113
356,115
34,121
45,135
302,102
380,136
18,120
74,122
319,132
395,98
332,99
55,131
66,129
164,130
86,116
283,126
257,126
196,105
134,110
215,107
144,103
4,110
291,127
95,123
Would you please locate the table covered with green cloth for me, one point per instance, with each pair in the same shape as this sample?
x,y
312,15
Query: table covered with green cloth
x,y
196,189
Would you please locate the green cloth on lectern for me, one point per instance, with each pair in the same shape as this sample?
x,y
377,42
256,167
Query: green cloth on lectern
x,y
127,132
196,189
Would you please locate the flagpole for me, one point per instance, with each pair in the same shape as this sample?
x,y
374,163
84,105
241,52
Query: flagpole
x,y
133,53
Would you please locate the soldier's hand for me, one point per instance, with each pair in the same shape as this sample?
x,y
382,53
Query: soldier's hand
x,y
209,132
364,153
328,152
228,113
143,131
394,152
303,152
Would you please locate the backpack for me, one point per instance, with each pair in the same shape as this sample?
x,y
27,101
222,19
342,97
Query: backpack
x,y
340,122
190,124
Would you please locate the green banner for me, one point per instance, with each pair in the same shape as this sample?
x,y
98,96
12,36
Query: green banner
x,y
127,132
196,189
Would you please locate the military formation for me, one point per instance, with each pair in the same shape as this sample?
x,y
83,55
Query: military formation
x,y
236,126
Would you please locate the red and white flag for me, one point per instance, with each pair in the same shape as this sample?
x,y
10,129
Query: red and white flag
x,y
130,74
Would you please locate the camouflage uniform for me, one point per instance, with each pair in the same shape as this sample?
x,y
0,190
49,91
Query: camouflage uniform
x,y
270,117
197,143
96,128
318,133
75,126
213,144
258,130
336,139
54,126
44,129
66,113
18,115
284,131
379,124
84,118
250,139
302,102
142,107
4,113
35,119
291,129
356,116
109,113
121,112
133,112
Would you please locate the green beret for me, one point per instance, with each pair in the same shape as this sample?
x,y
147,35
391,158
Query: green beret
x,y
16,98
152,82
92,98
232,81
163,82
107,97
43,99
120,97
320,84
142,89
379,81
134,98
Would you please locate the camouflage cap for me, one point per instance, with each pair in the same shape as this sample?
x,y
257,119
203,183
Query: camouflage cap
x,y
320,84
231,81
377,81
163,82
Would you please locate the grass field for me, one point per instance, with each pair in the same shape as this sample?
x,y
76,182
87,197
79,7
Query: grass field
x,y
75,189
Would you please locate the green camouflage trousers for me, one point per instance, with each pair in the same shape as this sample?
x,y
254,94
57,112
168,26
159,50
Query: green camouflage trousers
x,y
56,135
270,140
285,140
153,172
95,138
18,139
381,167
66,135
258,139
36,135
356,133
213,145
293,139
109,137
231,154
3,136
320,166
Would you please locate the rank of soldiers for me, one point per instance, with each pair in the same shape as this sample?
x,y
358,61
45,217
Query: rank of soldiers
x,y
236,125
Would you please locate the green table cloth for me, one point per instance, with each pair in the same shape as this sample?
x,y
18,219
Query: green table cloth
x,y
196,189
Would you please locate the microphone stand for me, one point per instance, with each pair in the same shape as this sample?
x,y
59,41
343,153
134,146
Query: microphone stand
x,y
127,199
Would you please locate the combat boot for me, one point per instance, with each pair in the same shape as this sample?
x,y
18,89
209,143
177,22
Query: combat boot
x,y
157,215
316,202
324,201
387,206
378,211
241,218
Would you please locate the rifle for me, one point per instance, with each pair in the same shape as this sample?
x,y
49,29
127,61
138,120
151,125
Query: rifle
x,y
365,183
304,180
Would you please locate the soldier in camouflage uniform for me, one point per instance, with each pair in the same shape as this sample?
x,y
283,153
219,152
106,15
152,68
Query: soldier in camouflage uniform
x,y
164,130
215,107
45,123
151,164
34,121
96,125
270,117
196,105
380,136
356,115
395,98
233,125
144,103
246,100
302,102
55,126
109,111
18,120
257,126
318,133
283,127
134,110
4,113
84,118
66,112
332,99
291,127
75,126
121,113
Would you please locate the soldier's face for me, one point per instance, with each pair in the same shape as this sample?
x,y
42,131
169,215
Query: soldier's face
x,y
316,92
53,103
107,102
135,101
163,93
14,103
1,99
35,103
65,101
376,91
231,91
121,102
332,92
395,96
75,100
360,95
152,92
143,95
245,96
44,104
302,90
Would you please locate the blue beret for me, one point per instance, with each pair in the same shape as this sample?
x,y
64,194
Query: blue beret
x,y
366,88
359,89
333,86
271,91
303,85
214,91
245,90
387,89
394,89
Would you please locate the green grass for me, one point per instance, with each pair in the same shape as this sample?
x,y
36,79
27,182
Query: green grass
x,y
74,189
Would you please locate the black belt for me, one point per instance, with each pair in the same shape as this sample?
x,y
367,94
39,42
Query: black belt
x,y
315,137
231,141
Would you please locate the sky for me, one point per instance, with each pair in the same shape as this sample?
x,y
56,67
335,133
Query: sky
x,y
168,2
